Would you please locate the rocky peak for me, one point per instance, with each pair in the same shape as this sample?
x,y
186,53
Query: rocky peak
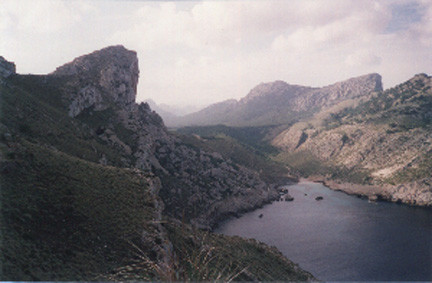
x,y
370,82
6,68
106,76
272,88
421,78
351,88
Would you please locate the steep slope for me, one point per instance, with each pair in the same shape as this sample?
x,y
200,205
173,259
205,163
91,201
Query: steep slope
x,y
384,142
170,114
84,170
168,117
64,218
280,103
99,90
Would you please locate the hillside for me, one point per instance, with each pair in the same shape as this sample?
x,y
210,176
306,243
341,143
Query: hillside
x,y
95,188
352,135
383,143
278,103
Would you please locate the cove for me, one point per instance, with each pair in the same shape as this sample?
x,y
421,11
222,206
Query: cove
x,y
342,237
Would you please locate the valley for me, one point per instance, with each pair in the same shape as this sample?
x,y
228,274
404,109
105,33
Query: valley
x,y
360,139
96,186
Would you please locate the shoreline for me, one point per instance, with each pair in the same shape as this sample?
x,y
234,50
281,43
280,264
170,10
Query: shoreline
x,y
395,194
214,224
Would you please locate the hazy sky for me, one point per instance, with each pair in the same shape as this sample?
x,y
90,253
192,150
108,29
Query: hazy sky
x,y
204,52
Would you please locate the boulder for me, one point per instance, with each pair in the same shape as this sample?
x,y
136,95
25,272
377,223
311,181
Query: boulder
x,y
288,197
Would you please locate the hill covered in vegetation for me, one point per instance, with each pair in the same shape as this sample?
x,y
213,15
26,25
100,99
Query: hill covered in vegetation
x,y
93,186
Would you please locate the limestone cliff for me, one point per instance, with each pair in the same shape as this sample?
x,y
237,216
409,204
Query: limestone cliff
x,y
101,78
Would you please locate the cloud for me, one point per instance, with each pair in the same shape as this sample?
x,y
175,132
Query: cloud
x,y
363,57
208,51
40,16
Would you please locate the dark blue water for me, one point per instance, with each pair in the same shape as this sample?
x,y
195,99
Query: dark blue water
x,y
343,238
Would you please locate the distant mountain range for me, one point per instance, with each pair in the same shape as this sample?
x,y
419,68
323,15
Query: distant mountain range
x,y
279,103
171,114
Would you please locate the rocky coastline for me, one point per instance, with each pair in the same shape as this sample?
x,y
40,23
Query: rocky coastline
x,y
411,194
238,207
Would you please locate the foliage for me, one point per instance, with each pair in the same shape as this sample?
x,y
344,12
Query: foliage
x,y
64,218
254,137
27,110
410,174
404,107
206,256
240,153
304,162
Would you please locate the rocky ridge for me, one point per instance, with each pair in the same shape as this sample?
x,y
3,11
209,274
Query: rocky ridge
x,y
278,103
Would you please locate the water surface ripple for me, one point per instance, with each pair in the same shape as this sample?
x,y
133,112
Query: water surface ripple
x,y
343,238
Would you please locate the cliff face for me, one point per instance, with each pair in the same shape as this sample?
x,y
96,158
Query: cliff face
x,y
384,141
101,78
281,103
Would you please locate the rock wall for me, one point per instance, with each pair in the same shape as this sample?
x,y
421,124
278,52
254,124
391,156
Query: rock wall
x,y
104,77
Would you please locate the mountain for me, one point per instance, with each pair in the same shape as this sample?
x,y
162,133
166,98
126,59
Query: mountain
x,y
380,147
352,135
170,114
173,109
94,187
167,116
279,103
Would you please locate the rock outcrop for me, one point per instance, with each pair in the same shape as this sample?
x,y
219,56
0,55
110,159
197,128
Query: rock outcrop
x,y
6,68
100,79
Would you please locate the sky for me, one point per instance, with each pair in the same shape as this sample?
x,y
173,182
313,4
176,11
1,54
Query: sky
x,y
202,52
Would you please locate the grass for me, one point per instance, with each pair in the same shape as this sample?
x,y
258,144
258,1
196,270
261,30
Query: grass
x,y
26,112
410,174
306,164
64,218
207,256
303,162
254,137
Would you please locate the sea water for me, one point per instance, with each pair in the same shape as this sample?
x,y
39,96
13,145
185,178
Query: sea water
x,y
342,237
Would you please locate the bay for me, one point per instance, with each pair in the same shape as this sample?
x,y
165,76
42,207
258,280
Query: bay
x,y
342,237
